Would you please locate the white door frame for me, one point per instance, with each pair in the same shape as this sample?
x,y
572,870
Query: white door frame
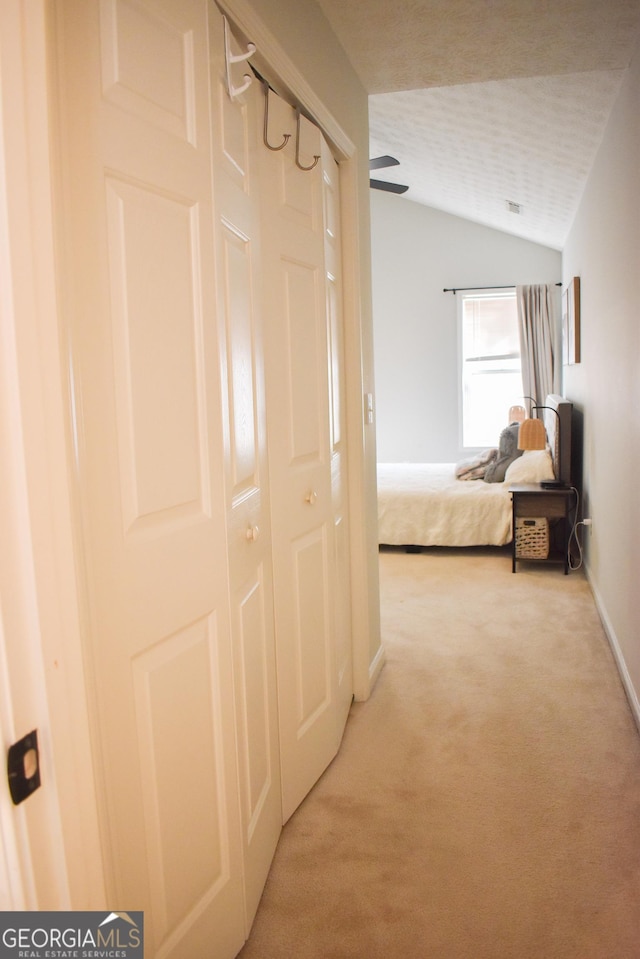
x,y
53,833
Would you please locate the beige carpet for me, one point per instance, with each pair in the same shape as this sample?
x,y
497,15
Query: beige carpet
x,y
485,803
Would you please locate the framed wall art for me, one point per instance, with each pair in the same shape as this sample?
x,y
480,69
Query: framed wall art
x,y
571,322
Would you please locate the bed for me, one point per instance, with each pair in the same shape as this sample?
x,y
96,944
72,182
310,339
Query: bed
x,y
425,504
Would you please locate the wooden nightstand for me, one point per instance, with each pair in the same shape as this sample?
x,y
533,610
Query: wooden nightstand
x,y
539,514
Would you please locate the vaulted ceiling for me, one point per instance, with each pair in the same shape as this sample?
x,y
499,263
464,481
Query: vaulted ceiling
x,y
487,102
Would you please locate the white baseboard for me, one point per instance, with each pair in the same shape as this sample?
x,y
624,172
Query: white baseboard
x,y
629,688
375,668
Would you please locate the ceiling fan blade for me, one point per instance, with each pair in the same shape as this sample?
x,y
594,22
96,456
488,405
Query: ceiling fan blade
x,y
388,187
380,163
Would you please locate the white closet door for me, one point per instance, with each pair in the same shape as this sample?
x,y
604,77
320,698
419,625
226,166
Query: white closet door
x,y
300,454
140,290
237,215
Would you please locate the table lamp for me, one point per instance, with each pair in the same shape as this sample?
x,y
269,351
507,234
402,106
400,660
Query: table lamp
x,y
517,414
532,435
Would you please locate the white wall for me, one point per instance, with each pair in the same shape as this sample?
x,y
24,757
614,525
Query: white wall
x,y
603,249
416,252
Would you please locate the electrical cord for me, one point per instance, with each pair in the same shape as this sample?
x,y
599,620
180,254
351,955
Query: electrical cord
x,y
574,535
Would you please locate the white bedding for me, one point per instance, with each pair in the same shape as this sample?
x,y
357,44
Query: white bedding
x,y
423,504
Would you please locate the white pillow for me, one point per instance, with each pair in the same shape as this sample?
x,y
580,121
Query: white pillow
x,y
534,466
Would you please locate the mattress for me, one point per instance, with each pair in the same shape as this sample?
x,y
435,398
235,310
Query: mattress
x,y
424,504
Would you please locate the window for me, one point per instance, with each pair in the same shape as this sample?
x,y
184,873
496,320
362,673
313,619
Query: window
x,y
491,372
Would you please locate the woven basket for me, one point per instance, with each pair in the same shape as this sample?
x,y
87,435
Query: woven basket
x,y
532,538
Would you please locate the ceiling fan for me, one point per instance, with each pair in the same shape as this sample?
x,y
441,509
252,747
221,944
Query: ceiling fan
x,y
381,163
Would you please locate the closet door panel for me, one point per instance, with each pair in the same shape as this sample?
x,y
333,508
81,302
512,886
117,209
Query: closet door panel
x,y
302,368
156,331
254,705
298,395
338,448
312,660
238,306
140,297
238,231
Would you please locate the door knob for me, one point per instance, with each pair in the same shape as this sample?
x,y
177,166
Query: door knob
x,y
311,497
252,534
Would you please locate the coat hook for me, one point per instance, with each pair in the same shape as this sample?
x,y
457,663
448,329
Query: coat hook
x,y
265,135
316,156
230,58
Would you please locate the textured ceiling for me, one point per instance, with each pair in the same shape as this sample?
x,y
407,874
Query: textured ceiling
x,y
486,101
470,149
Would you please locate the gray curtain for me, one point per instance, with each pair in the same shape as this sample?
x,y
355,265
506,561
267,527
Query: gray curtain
x,y
536,324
